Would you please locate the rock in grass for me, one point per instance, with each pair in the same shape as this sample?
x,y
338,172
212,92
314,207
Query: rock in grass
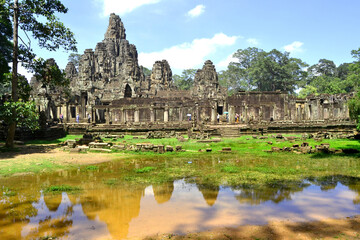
x,y
169,148
208,150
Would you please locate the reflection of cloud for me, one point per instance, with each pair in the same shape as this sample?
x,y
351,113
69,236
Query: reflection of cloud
x,y
67,220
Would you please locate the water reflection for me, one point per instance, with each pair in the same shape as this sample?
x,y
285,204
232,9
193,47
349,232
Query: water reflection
x,y
127,210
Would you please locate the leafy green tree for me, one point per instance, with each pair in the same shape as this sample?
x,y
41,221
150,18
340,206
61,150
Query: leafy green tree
x,y
146,71
75,59
354,109
5,43
186,80
37,17
258,70
307,90
353,77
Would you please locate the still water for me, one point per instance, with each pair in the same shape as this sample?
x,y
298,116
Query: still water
x,y
123,211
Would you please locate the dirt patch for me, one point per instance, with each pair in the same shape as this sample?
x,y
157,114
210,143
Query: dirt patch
x,y
347,228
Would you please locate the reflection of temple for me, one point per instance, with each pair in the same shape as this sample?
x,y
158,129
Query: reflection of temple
x,y
209,193
163,192
114,206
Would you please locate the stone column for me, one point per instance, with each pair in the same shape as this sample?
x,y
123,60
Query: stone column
x,y
107,116
166,114
213,115
123,117
152,115
232,114
136,115
180,114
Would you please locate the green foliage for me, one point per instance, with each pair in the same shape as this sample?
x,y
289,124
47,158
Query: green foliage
x,y
92,168
354,109
49,73
325,77
146,71
75,59
62,188
24,87
51,33
307,90
264,71
186,80
5,37
144,170
23,113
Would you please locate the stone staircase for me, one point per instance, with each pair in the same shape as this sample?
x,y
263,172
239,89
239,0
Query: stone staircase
x,y
229,132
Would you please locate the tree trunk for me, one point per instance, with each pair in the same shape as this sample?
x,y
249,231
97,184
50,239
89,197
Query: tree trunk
x,y
14,82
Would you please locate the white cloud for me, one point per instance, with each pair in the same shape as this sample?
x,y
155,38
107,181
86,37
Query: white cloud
x,y
122,7
252,41
225,63
294,47
188,55
196,11
23,71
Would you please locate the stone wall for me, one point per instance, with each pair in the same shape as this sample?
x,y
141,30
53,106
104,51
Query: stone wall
x,y
110,86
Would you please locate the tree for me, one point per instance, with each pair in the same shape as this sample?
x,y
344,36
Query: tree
x,y
265,71
307,90
186,80
146,71
354,109
5,43
75,59
38,18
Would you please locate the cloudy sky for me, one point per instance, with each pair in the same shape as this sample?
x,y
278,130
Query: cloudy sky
x,y
188,32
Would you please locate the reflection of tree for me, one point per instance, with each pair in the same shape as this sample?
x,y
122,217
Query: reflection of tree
x,y
50,222
114,206
330,182
14,214
275,192
163,192
209,193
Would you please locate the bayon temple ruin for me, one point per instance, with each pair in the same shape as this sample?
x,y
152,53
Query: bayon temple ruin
x,y
109,88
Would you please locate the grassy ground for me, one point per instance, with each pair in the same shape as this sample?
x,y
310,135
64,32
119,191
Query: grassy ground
x,y
248,164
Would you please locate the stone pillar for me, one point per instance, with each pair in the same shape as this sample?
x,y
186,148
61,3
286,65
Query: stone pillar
x,y
180,114
213,115
107,116
232,114
246,114
136,115
166,114
123,117
152,115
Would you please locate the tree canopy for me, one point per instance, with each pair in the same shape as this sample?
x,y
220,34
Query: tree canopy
x,y
256,69
38,18
186,80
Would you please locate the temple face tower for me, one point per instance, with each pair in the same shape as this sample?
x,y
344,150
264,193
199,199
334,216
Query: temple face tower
x,y
109,87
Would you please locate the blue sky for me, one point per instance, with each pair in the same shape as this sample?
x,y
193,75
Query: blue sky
x,y
188,32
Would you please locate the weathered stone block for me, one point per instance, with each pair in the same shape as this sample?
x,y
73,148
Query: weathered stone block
x,y
169,148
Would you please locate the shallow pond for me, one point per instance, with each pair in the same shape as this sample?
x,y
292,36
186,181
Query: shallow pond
x,y
107,209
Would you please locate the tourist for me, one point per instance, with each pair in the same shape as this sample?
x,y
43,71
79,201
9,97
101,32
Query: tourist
x,y
77,118
89,117
218,118
61,117
237,116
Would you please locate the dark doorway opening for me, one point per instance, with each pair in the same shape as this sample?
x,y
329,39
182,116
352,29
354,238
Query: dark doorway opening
x,y
128,91
220,110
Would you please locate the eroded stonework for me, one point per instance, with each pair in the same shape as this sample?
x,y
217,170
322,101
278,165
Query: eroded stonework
x,y
109,87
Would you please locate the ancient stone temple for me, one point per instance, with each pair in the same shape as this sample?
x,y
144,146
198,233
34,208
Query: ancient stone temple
x,y
110,90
